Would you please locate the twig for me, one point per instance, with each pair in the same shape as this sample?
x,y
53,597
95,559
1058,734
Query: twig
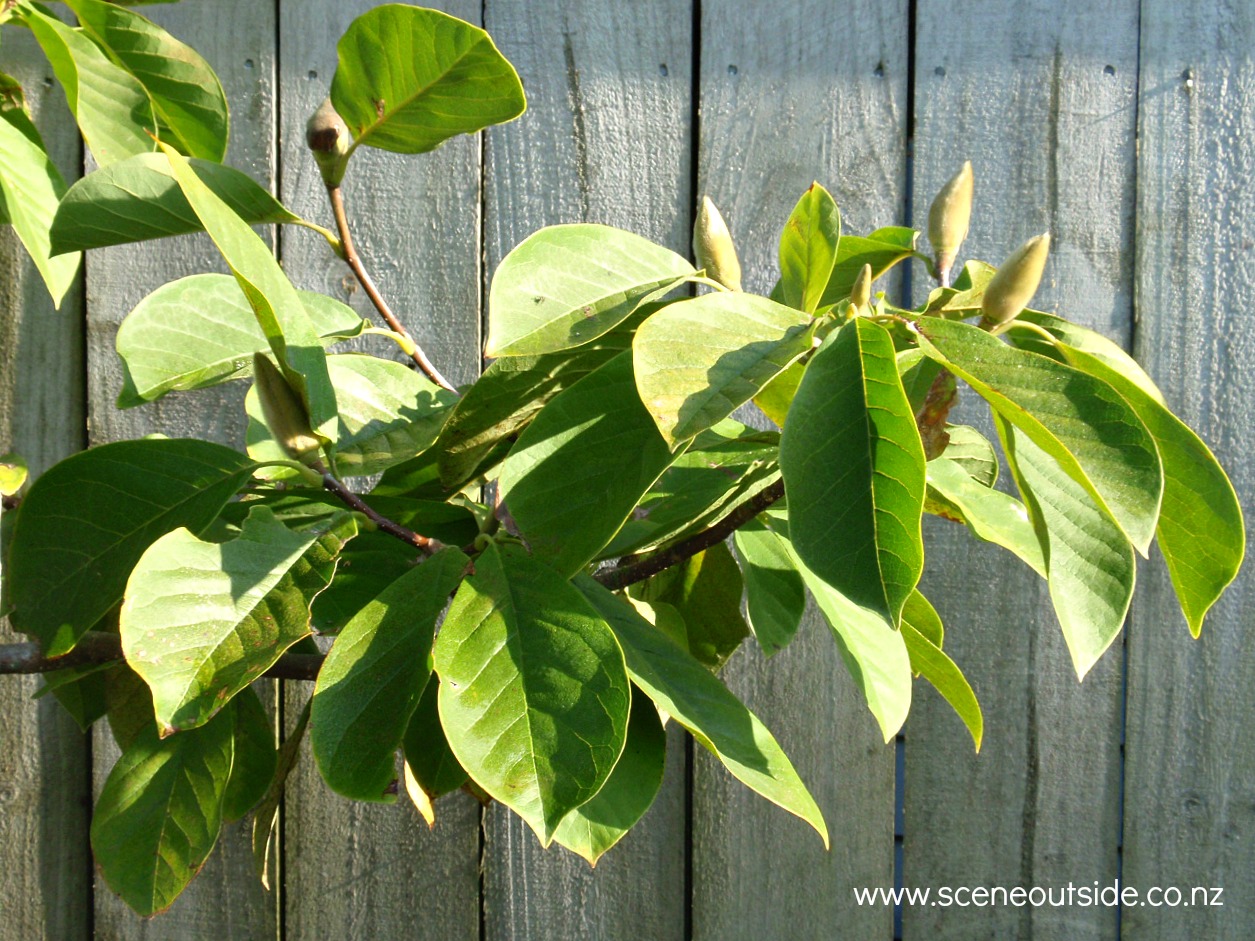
x,y
98,647
392,528
381,305
617,578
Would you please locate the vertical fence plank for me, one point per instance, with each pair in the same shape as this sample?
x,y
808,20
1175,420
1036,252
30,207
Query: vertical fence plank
x,y
45,775
606,139
352,870
792,93
1041,98
226,900
1190,796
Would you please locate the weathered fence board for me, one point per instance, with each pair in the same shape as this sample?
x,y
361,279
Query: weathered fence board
x,y
607,138
45,761
1190,793
790,94
1040,97
226,901
356,871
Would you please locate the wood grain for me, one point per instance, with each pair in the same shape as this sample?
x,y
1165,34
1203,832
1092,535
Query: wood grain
x,y
1190,796
607,139
1041,98
790,94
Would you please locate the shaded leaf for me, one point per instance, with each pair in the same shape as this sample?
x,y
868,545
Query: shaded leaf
x,y
776,596
267,815
808,249
533,694
430,765
1090,344
253,767
928,661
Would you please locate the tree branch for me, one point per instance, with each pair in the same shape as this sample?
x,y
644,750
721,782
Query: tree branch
x,y
350,499
617,578
97,647
368,284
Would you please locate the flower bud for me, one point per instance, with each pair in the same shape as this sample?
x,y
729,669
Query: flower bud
x,y
861,293
328,139
284,411
713,248
948,220
1015,283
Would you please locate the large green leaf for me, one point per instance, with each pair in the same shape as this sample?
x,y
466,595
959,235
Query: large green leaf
x,y
705,590
1090,565
882,249
253,767
112,109
581,466
928,661
1079,420
30,189
280,313
568,284
200,331
186,95
1090,344
138,199
594,827
431,770
697,360
873,652
160,812
202,620
373,677
533,693
388,413
1201,532
692,695
408,79
87,520
775,594
990,514
853,471
808,249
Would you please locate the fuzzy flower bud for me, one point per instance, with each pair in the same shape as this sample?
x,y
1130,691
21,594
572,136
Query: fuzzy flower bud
x,y
861,293
1010,290
948,220
284,411
713,248
328,139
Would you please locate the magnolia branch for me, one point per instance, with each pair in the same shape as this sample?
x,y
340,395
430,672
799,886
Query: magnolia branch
x,y
392,528
368,284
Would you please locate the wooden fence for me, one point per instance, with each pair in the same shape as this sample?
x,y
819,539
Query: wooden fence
x,y
1126,128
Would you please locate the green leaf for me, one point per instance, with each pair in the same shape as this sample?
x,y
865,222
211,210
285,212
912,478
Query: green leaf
x,y
1080,421
508,395
200,331
388,413
853,471
266,817
692,695
568,284
883,249
373,677
776,596
973,452
278,307
1201,531
808,249
430,765
255,756
918,373
533,694
81,691
921,615
408,79
594,827
874,653
112,109
697,360
965,296
202,620
86,522
705,589
30,190
928,661
1090,565
129,705
138,199
13,473
186,95
990,514
160,811
776,396
581,466
1090,344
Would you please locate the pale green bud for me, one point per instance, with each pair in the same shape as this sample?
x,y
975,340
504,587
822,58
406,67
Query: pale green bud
x,y
1010,290
328,139
284,411
713,248
948,220
861,293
